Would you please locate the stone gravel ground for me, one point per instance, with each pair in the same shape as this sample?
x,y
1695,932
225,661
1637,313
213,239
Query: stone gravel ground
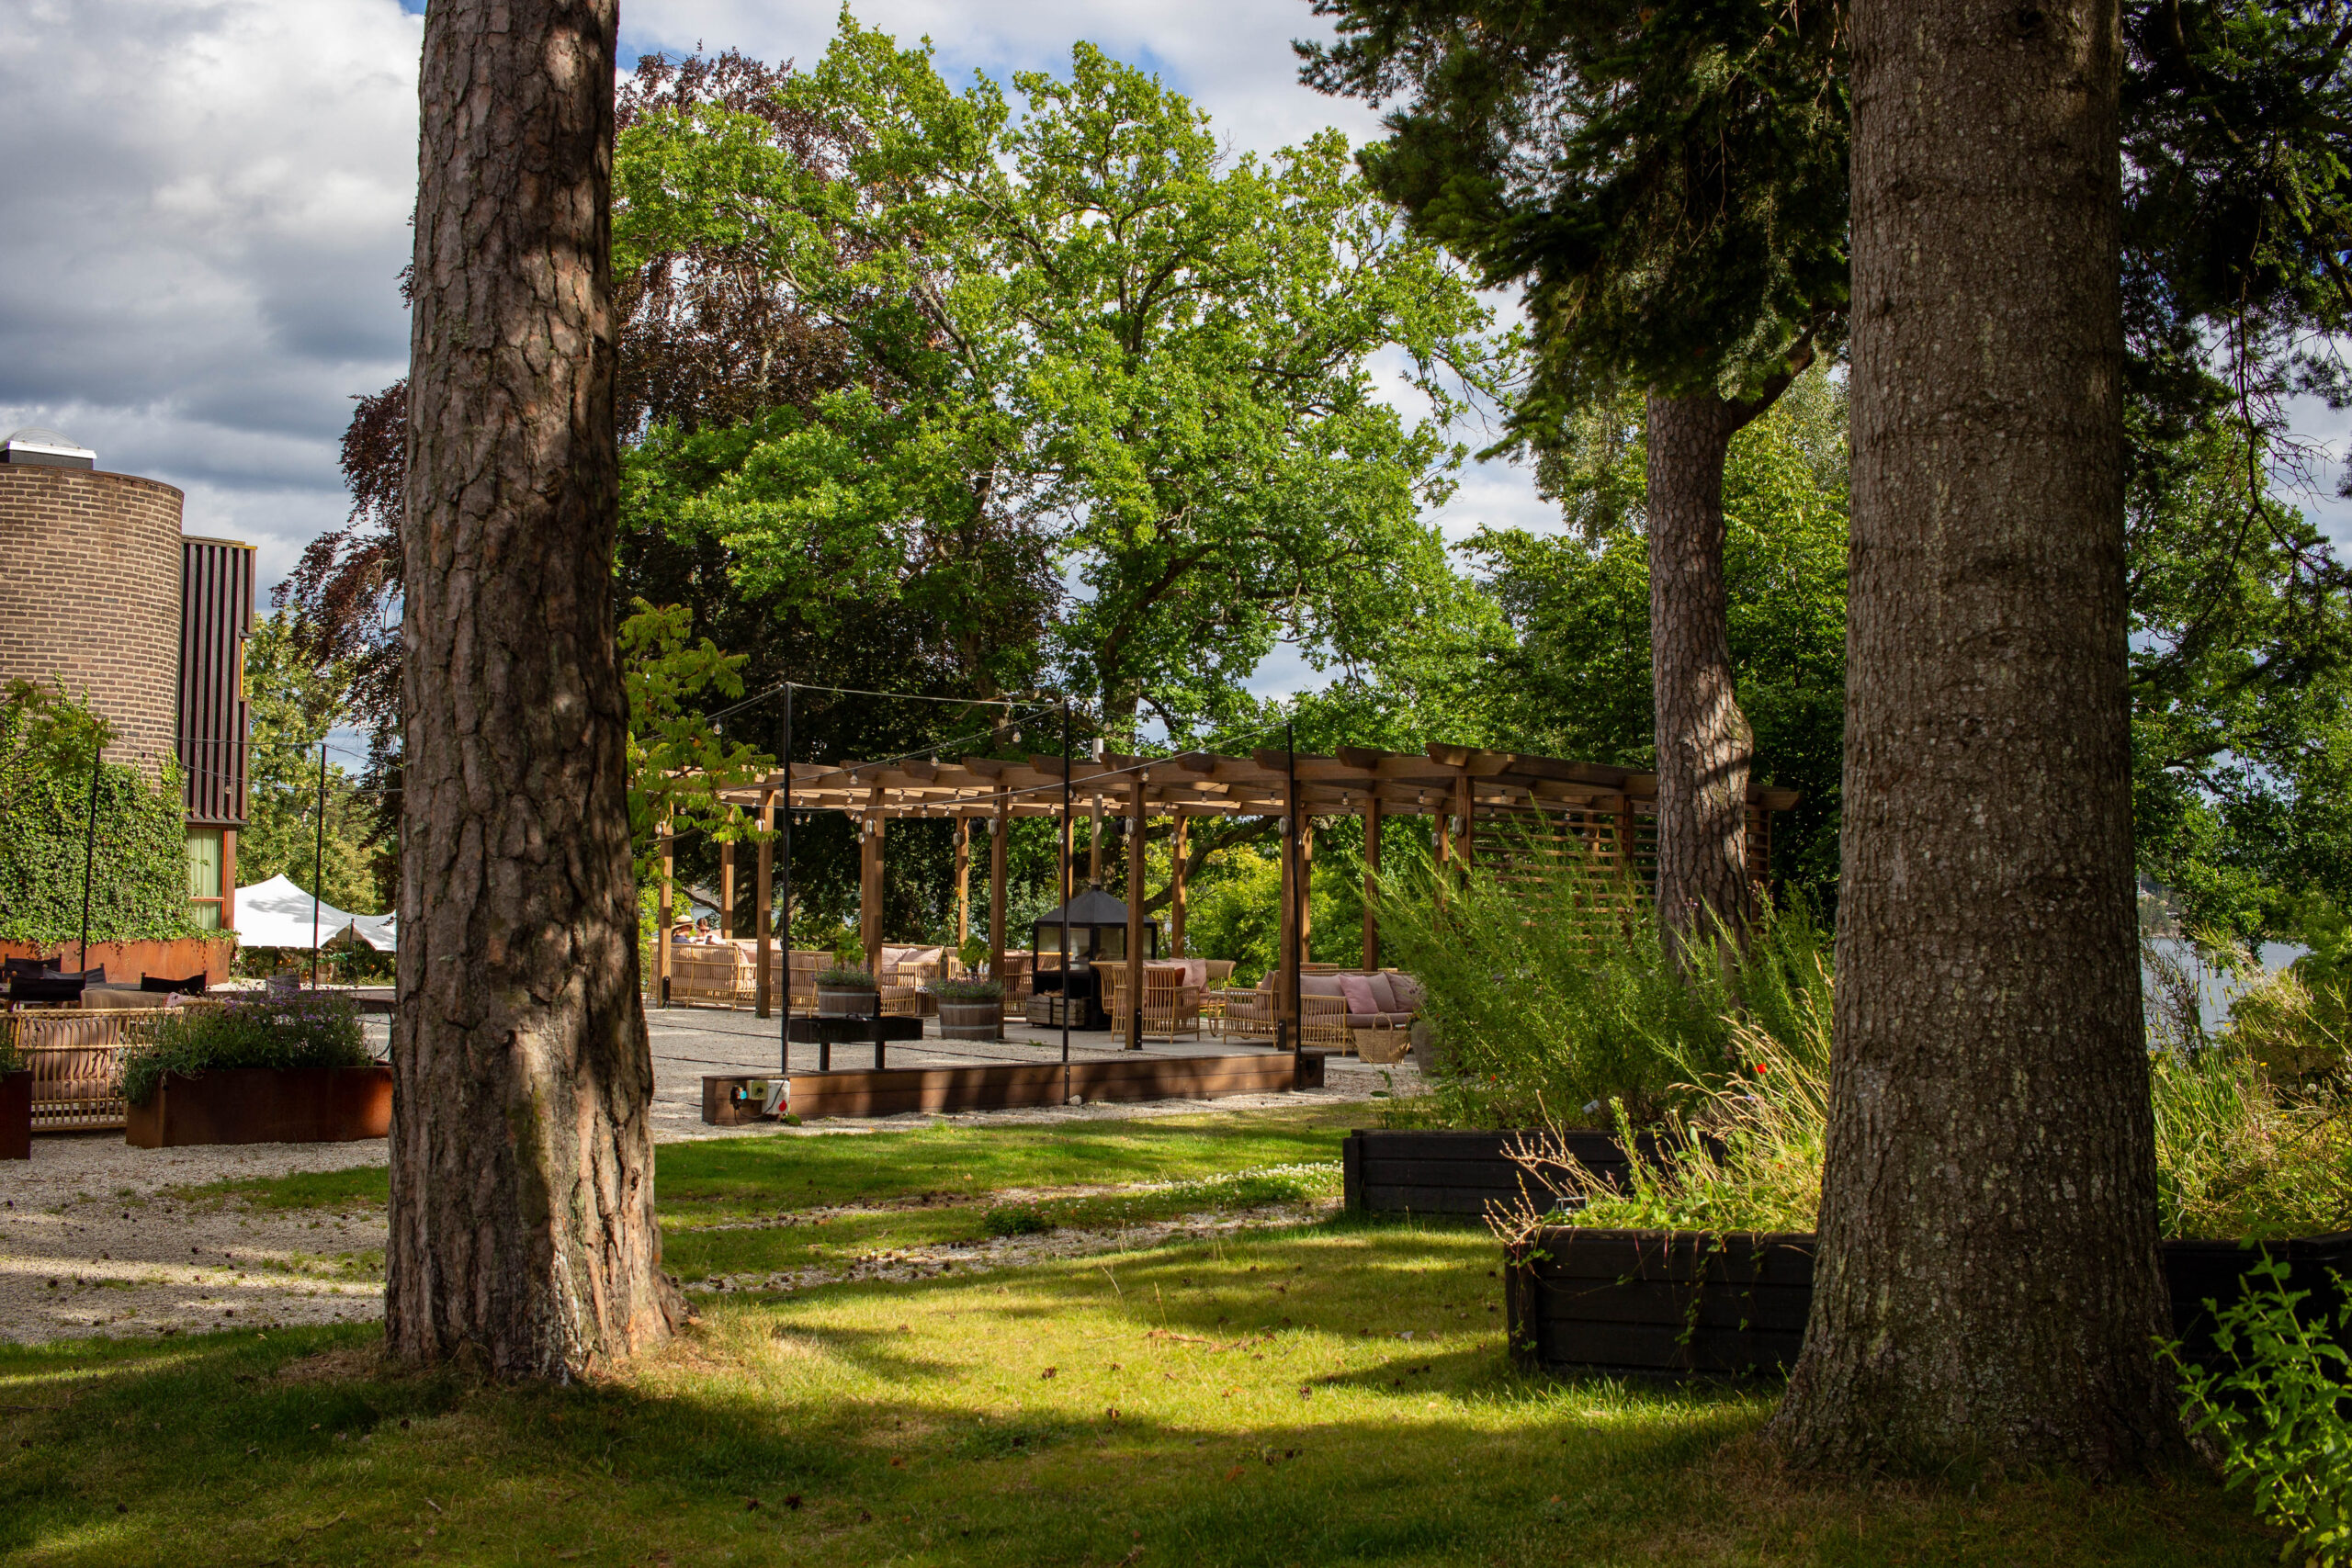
x,y
100,1239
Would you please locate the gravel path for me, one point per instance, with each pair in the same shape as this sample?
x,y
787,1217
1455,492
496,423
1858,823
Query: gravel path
x,y
100,1239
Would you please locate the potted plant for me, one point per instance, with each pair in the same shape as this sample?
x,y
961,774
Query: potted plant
x,y
270,1070
15,1098
969,1010
848,990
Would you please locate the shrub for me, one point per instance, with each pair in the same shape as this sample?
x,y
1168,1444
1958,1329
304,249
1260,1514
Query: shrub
x,y
846,977
968,991
2275,1419
11,1059
1556,1002
309,1030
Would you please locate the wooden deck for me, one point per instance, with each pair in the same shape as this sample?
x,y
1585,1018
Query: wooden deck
x,y
998,1086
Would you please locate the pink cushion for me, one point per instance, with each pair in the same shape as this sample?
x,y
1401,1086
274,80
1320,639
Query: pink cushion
x,y
1197,971
1319,986
1357,988
1382,992
1410,998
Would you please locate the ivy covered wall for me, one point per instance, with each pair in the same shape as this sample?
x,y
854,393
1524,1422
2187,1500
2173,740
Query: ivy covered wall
x,y
139,882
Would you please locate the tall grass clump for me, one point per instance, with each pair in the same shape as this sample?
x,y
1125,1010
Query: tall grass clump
x,y
1553,1001
309,1029
2241,1151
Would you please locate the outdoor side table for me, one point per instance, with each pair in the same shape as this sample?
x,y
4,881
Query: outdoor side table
x,y
827,1032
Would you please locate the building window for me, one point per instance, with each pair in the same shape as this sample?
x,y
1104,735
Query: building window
x,y
207,861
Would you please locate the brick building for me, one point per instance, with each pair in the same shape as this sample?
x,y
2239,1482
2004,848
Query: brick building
x,y
101,592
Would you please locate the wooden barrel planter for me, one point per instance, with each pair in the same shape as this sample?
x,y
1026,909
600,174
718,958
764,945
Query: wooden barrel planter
x,y
264,1105
17,1114
842,1001
1415,1172
972,1020
1694,1304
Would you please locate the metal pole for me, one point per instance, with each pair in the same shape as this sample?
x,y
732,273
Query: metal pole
x,y
90,856
1066,901
319,866
784,864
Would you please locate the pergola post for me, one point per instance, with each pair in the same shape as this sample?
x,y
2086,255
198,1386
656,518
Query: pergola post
x,y
663,911
963,880
1466,812
727,889
1286,972
762,915
1371,881
1069,860
1176,838
869,885
1305,889
1095,844
1626,841
999,830
1135,914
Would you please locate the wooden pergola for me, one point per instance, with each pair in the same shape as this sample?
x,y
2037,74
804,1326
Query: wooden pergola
x,y
1605,815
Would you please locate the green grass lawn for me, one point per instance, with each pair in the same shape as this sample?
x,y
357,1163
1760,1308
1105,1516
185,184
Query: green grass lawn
x,y
1247,1402
1335,1393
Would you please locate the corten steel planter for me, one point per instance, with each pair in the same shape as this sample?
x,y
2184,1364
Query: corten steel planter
x,y
175,959
842,1001
17,1114
972,1020
264,1105
1685,1303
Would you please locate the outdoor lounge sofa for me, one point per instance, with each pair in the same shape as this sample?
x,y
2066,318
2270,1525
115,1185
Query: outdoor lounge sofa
x,y
1368,1012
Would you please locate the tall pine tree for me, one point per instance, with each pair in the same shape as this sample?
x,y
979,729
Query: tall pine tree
x,y
1667,183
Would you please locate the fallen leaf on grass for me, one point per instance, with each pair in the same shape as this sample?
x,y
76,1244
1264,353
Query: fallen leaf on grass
x,y
1234,1474
1048,1372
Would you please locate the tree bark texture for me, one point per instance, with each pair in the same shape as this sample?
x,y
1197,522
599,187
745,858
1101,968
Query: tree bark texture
x,y
522,1158
1988,1282
1704,744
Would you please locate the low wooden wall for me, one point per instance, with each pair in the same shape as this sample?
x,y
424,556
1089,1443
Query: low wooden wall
x,y
1684,1304
893,1091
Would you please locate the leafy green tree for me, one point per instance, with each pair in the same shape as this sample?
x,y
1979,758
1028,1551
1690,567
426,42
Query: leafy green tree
x,y
678,761
1668,182
294,704
1092,335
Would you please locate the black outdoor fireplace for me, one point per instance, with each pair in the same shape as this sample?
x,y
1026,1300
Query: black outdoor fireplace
x,y
1098,934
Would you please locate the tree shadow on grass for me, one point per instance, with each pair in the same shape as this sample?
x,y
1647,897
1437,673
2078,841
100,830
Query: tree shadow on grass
x,y
1091,1412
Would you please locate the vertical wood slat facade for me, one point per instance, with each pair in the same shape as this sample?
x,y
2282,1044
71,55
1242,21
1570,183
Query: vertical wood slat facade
x,y
216,616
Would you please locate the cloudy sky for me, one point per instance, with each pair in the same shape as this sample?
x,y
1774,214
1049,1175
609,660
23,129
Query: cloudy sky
x,y
206,207
207,201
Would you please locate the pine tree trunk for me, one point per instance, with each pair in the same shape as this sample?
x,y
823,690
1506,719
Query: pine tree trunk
x,y
522,1158
1988,1279
1704,745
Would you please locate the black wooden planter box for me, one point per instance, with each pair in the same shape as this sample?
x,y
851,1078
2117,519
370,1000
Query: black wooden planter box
x,y
1681,1303
1458,1173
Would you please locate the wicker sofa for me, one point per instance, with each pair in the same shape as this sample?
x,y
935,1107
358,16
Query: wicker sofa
x,y
1376,1023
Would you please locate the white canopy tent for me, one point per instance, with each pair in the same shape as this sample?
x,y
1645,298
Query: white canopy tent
x,y
276,913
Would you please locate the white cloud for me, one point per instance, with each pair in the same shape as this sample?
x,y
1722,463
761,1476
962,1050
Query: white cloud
x,y
207,209
200,237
